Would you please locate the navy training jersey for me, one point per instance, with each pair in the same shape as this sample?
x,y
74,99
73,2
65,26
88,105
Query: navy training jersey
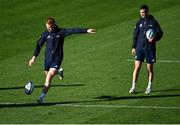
x,y
140,41
54,42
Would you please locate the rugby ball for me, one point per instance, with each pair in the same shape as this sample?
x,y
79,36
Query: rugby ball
x,y
150,34
28,88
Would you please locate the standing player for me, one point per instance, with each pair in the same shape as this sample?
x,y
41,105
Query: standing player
x,y
145,48
54,39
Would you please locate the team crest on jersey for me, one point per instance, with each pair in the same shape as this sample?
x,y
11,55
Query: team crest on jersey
x,y
48,37
140,25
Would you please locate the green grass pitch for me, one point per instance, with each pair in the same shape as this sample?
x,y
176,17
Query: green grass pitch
x,y
97,71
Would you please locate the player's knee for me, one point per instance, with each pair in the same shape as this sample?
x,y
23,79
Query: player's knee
x,y
150,69
137,68
47,84
52,72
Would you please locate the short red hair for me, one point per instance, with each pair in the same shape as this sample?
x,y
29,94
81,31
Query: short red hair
x,y
50,21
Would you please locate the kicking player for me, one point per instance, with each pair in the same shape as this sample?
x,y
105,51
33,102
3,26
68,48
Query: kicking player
x,y
144,48
54,39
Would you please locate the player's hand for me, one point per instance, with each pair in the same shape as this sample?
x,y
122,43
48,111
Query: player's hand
x,y
32,60
91,30
151,40
133,51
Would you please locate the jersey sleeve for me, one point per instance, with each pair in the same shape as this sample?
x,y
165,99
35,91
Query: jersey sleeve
x,y
39,45
159,32
70,31
135,35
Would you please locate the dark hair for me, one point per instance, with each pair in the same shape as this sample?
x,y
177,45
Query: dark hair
x,y
50,21
144,7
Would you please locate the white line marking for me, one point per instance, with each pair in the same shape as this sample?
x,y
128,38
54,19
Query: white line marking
x,y
117,106
97,106
160,61
8,103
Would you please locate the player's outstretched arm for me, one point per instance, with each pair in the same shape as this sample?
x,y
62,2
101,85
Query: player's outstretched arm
x,y
91,30
70,31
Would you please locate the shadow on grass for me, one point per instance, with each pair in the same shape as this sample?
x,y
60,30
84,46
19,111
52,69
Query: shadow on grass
x,y
40,86
165,90
34,104
113,98
97,99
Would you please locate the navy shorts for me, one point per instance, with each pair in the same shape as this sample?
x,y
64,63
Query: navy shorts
x,y
49,65
149,55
